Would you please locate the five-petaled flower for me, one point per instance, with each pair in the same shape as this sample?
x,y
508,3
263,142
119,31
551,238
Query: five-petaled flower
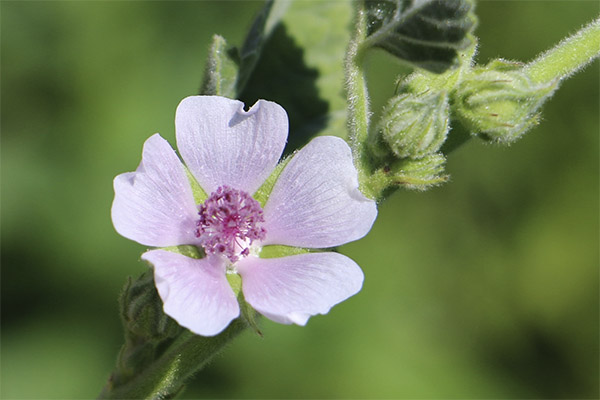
x,y
315,203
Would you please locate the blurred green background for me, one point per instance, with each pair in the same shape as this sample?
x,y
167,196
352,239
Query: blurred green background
x,y
486,287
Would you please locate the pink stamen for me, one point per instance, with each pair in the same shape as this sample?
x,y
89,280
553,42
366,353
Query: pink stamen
x,y
229,222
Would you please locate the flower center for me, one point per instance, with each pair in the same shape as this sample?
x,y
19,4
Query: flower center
x,y
229,222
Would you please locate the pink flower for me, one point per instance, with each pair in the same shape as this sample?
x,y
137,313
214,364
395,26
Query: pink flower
x,y
315,203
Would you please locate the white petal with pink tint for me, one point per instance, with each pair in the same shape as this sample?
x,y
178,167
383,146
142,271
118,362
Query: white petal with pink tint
x,y
224,145
195,292
316,202
291,289
154,205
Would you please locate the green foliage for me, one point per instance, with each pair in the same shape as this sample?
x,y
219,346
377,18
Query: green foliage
x,y
221,72
259,33
499,101
291,55
301,69
427,34
227,70
415,122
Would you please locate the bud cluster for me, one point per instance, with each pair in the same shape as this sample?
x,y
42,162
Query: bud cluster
x,y
413,127
499,102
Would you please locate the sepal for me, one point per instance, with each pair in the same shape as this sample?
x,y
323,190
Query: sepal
x,y
277,251
247,313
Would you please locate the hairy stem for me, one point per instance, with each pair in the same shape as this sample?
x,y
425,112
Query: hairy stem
x,y
568,56
358,99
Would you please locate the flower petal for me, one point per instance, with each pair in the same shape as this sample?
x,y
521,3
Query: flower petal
x,y
195,292
224,145
154,205
291,289
316,202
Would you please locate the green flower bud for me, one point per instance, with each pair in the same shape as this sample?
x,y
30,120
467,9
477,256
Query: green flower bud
x,y
142,311
410,174
419,174
499,101
415,124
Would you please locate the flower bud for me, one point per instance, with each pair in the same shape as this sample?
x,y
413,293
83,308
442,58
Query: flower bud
x,y
410,174
419,174
499,101
415,124
142,312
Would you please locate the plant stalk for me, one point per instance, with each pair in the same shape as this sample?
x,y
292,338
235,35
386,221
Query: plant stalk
x,y
166,376
568,56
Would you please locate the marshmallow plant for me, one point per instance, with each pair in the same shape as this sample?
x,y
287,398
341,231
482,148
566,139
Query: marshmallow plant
x,y
236,231
313,202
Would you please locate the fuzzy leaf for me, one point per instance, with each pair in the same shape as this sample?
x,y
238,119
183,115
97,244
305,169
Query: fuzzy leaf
x,y
221,72
260,31
425,33
228,69
301,68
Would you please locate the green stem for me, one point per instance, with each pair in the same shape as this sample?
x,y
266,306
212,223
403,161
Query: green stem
x,y
165,377
568,56
358,100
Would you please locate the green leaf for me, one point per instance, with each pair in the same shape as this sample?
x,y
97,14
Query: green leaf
x,y
260,31
227,69
221,72
425,33
301,69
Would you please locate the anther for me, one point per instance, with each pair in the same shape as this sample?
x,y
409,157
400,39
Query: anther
x,y
229,222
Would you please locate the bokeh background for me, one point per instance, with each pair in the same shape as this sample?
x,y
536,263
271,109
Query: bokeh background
x,y
486,287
